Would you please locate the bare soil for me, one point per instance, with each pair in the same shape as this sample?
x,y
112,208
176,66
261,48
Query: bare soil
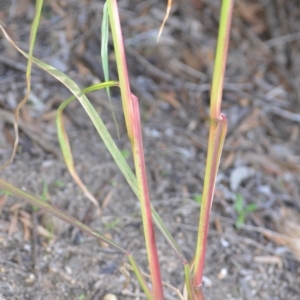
x,y
43,258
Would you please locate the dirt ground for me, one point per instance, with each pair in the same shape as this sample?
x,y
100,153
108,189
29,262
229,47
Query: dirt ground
x,y
258,258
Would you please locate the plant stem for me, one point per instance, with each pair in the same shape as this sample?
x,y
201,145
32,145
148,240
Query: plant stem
x,y
217,133
116,31
221,58
140,168
132,119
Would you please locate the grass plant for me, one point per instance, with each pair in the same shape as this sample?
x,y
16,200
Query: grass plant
x,y
193,271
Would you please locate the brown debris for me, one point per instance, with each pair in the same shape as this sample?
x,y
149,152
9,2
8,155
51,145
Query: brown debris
x,y
288,224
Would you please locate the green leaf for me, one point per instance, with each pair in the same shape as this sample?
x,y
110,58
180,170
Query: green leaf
x,y
104,43
125,153
239,203
64,140
251,207
106,137
59,183
104,57
198,198
240,220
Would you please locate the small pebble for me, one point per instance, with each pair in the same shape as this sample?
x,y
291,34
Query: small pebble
x,y
206,281
30,278
110,297
222,274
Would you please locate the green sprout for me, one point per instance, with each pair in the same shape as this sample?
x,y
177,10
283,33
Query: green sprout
x,y
59,183
197,198
6,193
242,210
125,153
112,224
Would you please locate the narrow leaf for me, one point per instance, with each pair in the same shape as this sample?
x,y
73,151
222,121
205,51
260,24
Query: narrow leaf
x,y
165,19
140,278
104,58
144,197
58,213
33,32
127,106
216,139
106,137
188,282
251,207
64,140
116,31
104,42
221,58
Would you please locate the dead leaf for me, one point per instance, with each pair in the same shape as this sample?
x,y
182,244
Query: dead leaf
x,y
250,12
193,60
269,260
103,244
272,165
170,98
218,225
13,226
288,223
250,122
20,8
107,199
26,225
56,8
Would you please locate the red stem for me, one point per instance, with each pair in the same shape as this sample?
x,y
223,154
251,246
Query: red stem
x,y
140,168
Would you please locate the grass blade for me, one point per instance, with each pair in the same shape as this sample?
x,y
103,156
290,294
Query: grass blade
x,y
149,234
188,282
217,135
33,32
165,19
167,235
221,58
127,107
104,58
58,213
116,31
106,137
104,43
92,113
140,278
64,140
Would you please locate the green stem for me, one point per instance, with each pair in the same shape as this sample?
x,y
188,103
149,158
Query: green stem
x,y
116,31
188,282
132,119
221,58
217,133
